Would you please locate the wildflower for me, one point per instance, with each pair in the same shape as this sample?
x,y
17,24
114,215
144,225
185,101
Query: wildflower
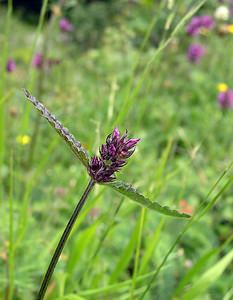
x,y
195,53
224,29
222,13
207,22
37,61
194,26
222,87
230,28
188,263
197,24
231,9
113,156
185,207
11,65
56,9
66,25
23,139
225,99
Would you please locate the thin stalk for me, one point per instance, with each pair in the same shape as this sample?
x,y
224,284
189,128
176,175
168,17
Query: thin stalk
x,y
137,254
11,233
63,240
40,91
31,74
4,56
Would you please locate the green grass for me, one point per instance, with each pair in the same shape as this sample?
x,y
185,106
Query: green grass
x,y
137,77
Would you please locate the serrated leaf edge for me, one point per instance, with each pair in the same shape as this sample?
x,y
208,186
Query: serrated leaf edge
x,y
75,145
165,210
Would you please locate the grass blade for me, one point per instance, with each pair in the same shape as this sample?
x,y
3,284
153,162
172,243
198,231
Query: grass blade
x,y
191,221
210,276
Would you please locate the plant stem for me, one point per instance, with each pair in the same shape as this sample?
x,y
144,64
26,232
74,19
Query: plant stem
x,y
63,240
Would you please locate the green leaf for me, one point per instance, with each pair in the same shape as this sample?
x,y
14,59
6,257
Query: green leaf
x,y
74,144
208,278
195,270
72,297
133,194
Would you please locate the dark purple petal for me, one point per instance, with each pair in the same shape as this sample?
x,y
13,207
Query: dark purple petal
x,y
113,156
11,65
132,143
193,27
197,23
66,25
225,99
37,61
207,22
195,53
116,133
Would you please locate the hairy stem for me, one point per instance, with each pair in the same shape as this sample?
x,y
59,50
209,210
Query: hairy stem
x,y
62,241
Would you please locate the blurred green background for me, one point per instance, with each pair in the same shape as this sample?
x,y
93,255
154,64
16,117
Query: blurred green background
x,y
115,63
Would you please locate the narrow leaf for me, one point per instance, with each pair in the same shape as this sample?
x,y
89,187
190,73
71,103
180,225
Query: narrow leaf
x,y
133,194
208,278
75,145
71,297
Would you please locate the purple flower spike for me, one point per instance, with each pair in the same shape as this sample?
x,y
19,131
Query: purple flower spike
x,y
99,171
37,61
225,99
66,25
195,53
113,156
11,65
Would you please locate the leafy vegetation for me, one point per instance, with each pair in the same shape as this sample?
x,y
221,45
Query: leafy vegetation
x,y
125,64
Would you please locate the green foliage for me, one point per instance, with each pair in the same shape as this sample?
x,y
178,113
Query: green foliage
x,y
133,194
124,65
208,277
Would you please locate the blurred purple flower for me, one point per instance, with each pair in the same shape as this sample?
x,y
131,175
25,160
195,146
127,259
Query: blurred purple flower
x,y
11,65
231,9
113,156
197,23
193,27
66,25
37,61
225,99
207,22
195,53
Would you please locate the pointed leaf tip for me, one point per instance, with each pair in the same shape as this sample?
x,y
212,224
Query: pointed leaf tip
x,y
75,145
133,194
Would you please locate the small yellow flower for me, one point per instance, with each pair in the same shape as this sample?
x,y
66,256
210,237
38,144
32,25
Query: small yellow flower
x,y
56,9
230,28
222,87
23,139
